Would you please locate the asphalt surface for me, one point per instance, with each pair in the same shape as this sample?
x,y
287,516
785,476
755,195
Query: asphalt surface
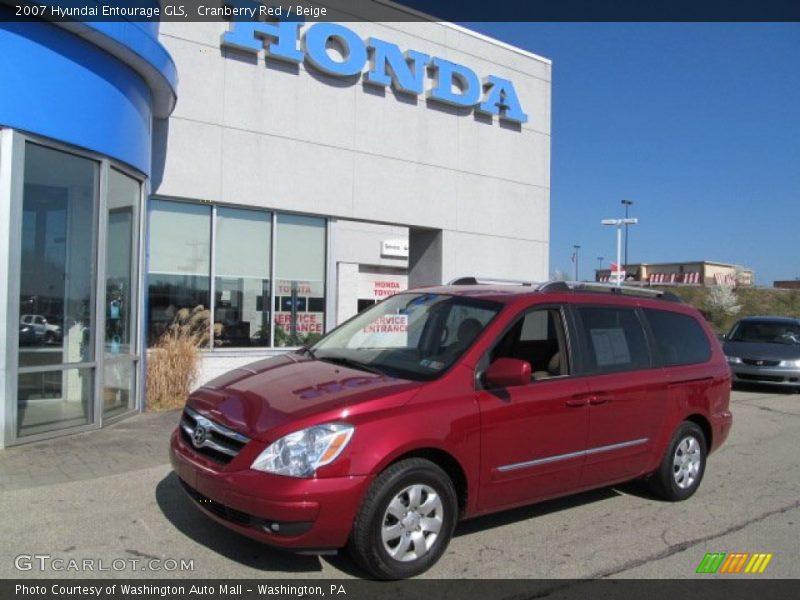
x,y
110,508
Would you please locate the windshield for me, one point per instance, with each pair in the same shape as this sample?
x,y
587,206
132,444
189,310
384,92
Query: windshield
x,y
413,336
766,332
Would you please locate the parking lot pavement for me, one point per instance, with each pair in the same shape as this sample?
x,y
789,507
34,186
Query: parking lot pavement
x,y
135,443
748,502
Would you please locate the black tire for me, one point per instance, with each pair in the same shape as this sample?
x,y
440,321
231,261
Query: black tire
x,y
683,465
411,476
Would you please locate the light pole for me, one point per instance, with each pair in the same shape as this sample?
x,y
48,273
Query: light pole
x,y
599,265
626,203
618,223
576,247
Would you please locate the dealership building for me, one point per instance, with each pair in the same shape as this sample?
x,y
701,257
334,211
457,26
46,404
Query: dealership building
x,y
693,272
283,176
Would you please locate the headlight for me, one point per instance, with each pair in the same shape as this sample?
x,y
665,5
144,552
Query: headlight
x,y
734,360
791,363
301,453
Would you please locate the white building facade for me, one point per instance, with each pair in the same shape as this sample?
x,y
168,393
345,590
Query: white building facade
x,y
289,176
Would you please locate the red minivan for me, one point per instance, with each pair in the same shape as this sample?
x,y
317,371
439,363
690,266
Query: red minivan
x,y
450,402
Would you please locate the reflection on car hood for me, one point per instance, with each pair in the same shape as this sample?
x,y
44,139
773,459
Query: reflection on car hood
x,y
273,392
762,350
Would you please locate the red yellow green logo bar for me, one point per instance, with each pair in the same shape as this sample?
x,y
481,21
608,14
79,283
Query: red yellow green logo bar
x,y
734,562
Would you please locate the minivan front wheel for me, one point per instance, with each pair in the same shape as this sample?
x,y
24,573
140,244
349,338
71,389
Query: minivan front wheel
x,y
405,521
683,465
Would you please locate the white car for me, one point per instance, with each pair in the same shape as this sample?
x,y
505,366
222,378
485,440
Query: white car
x,y
44,330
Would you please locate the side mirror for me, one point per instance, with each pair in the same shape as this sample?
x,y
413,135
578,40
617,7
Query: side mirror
x,y
722,337
508,372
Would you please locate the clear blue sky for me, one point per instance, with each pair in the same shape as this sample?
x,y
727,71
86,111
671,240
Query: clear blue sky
x,y
698,124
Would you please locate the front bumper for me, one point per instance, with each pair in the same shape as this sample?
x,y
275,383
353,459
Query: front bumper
x,y
295,513
778,376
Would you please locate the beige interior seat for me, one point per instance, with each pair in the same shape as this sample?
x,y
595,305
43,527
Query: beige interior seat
x,y
553,368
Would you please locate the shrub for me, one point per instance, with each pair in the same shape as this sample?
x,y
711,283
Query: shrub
x,y
173,362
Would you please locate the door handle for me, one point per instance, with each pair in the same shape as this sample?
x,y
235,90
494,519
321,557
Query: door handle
x,y
577,401
595,400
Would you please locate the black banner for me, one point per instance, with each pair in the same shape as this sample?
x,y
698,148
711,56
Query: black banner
x,y
403,10
435,589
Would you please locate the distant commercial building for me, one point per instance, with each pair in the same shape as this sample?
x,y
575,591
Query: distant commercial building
x,y
791,284
701,272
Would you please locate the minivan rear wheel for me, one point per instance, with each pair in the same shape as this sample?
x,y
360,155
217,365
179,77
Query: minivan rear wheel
x,y
683,465
406,520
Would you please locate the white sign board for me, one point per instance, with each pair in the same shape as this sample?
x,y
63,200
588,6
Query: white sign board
x,y
394,248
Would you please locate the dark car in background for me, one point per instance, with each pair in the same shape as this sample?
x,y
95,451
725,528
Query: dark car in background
x,y
765,350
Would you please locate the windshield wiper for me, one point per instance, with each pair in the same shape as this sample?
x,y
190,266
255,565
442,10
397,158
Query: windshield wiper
x,y
354,364
307,350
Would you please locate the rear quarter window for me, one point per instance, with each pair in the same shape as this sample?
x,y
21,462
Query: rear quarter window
x,y
679,338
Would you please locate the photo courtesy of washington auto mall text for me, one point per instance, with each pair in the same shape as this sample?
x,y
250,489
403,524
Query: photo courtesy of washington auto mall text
x,y
110,589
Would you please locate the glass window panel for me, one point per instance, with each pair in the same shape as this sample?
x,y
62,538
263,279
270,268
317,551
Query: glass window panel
x,y
179,249
242,250
300,280
180,238
118,387
54,400
680,338
538,339
615,339
121,262
57,274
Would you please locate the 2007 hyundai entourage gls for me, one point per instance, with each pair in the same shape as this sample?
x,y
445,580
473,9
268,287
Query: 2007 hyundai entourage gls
x,y
451,402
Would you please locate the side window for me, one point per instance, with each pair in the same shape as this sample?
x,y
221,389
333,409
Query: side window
x,y
680,338
538,338
614,338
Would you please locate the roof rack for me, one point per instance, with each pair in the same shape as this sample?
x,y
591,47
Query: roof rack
x,y
473,280
571,286
611,288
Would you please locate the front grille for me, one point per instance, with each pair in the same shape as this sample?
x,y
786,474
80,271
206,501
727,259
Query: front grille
x,y
768,378
209,438
761,363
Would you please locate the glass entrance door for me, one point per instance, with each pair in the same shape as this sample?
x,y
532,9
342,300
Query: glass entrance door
x,y
56,360
119,349
77,352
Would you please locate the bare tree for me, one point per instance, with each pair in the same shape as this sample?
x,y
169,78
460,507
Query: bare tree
x,y
723,299
559,275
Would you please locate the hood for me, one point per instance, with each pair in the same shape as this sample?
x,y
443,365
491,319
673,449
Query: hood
x,y
761,350
274,392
